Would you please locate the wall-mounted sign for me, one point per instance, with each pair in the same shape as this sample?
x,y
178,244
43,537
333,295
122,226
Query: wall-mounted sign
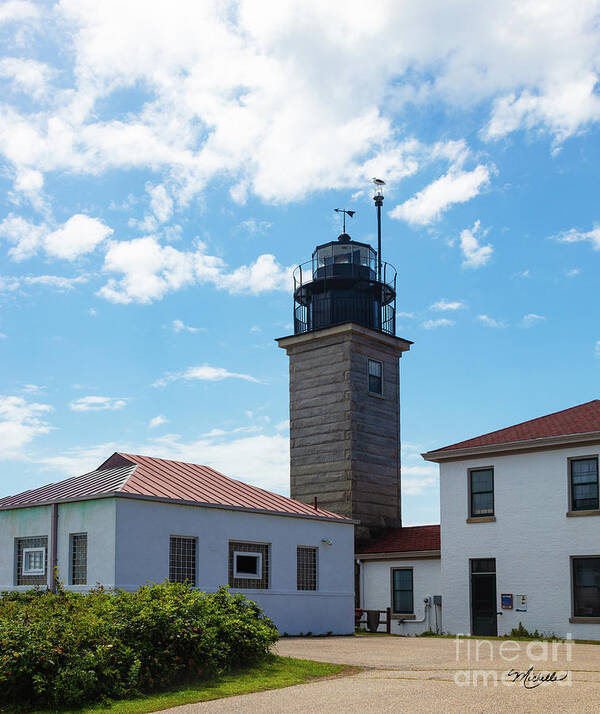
x,y
506,600
521,603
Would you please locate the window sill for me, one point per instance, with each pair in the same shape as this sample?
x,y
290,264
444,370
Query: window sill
x,y
398,616
481,519
376,395
576,514
589,620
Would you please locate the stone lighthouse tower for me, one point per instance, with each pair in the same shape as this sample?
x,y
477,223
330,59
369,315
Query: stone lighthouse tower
x,y
344,385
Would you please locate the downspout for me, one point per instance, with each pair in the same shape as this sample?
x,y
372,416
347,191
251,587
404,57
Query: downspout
x,y
53,547
426,612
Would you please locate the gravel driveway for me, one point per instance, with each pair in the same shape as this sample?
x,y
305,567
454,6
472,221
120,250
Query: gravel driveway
x,y
430,675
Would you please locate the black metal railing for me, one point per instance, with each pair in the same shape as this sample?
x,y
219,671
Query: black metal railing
x,y
366,270
325,311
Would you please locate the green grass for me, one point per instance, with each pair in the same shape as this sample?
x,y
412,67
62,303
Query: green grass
x,y
276,673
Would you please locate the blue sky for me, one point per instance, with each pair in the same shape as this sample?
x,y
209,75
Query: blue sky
x,y
162,168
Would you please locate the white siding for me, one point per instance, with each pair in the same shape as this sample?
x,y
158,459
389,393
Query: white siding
x,y
144,527
377,591
532,540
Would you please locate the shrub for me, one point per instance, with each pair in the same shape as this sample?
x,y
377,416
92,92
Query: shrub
x,y
70,649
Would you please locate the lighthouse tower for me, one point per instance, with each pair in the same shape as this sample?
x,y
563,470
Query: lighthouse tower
x,y
344,385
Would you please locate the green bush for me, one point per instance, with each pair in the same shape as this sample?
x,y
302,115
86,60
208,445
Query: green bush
x,y
67,649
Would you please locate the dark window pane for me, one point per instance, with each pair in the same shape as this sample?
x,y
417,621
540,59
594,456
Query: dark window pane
x,y
402,590
483,504
584,484
481,480
586,587
247,581
247,564
375,370
483,565
580,467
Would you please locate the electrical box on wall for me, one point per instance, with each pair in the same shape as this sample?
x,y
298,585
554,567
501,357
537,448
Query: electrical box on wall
x,y
521,603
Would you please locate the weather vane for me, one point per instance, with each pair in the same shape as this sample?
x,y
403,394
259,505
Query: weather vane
x,y
346,213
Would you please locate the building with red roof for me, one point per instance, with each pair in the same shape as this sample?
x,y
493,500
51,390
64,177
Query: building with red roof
x,y
138,519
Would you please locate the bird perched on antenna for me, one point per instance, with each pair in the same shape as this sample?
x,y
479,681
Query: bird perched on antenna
x,y
346,213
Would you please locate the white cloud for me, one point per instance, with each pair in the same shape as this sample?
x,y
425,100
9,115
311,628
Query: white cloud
x,y
20,422
441,322
27,75
180,326
306,93
597,349
575,236
96,404
15,10
474,254
490,321
33,388
8,283
454,187
204,372
255,458
157,421
573,273
444,305
523,274
76,237
251,225
531,319
58,282
160,202
150,270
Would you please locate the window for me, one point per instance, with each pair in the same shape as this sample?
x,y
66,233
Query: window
x,y
306,568
586,586
182,560
79,559
249,565
375,373
31,560
34,561
482,492
402,591
584,484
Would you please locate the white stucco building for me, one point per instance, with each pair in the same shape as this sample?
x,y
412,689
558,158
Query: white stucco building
x,y
520,527
137,519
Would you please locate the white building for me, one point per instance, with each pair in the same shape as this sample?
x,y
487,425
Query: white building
x,y
401,571
520,527
137,519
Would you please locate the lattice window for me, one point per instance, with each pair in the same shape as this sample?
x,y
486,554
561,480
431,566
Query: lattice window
x,y
306,568
31,552
182,560
249,565
79,559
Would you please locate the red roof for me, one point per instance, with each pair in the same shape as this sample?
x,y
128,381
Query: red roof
x,y
400,540
581,419
162,478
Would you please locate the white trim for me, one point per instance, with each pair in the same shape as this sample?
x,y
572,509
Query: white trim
x,y
36,571
247,576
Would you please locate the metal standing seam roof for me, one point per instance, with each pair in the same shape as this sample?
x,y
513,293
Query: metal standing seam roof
x,y
581,419
135,475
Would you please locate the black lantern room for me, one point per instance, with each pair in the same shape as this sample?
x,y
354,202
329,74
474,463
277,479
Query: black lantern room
x,y
344,282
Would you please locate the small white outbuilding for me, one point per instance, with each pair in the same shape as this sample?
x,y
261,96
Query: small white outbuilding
x,y
137,519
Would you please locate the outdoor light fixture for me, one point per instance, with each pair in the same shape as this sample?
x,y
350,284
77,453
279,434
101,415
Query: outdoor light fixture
x,y
378,198
326,541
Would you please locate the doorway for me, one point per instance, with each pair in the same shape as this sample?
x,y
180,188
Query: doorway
x,y
484,619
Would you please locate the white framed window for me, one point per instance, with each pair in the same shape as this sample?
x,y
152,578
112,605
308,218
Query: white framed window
x,y
34,561
247,565
375,376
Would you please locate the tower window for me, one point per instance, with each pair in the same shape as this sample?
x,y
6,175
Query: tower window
x,y
375,374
